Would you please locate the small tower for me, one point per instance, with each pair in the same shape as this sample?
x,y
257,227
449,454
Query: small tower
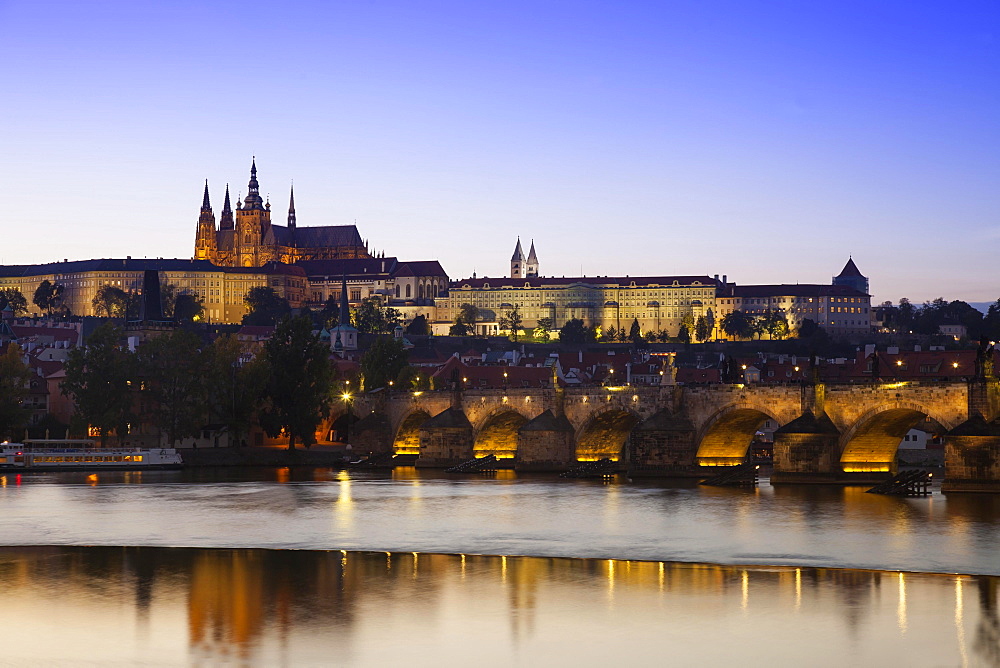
x,y
204,243
291,209
517,261
226,222
344,337
531,266
851,277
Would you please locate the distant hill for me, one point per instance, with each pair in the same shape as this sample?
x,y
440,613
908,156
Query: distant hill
x,y
982,306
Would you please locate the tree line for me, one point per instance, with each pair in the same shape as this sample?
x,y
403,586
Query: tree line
x,y
905,317
179,384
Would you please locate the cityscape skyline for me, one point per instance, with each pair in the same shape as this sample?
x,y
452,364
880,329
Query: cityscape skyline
x,y
768,144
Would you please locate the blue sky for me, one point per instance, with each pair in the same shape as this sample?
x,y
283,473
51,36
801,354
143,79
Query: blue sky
x,y
763,140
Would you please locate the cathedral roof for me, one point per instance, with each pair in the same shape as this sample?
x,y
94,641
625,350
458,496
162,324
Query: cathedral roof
x,y
797,290
351,267
420,268
318,237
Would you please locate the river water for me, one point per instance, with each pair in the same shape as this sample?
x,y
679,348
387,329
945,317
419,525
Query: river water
x,y
334,568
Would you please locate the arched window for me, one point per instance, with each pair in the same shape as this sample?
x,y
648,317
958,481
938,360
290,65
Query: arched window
x,y
397,292
420,291
407,290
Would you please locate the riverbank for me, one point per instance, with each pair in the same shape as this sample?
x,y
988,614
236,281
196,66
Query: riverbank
x,y
316,456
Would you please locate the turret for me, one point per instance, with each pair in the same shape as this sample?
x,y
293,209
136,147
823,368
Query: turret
x,y
253,221
851,276
531,266
226,222
517,261
204,243
291,209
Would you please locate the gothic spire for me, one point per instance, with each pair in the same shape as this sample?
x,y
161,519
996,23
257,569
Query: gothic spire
x,y
226,221
205,204
518,255
531,254
253,199
345,310
291,208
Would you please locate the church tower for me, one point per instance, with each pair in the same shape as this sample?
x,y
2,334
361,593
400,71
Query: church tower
x,y
226,222
252,222
204,243
851,276
517,261
531,266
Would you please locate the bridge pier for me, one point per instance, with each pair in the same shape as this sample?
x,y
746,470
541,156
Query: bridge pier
x,y
972,457
805,450
445,440
663,445
545,444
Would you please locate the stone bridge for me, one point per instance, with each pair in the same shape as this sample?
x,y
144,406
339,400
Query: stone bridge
x,y
828,433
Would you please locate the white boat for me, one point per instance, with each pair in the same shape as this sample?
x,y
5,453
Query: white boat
x,y
80,454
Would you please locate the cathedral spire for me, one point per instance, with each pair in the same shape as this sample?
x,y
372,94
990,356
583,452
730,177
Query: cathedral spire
x,y
226,222
253,199
205,204
291,208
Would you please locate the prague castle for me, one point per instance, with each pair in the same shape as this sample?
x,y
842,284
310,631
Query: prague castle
x,y
250,239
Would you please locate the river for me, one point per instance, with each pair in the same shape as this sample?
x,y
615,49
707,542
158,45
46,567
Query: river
x,y
324,567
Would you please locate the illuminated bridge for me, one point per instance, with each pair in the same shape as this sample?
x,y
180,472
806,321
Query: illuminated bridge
x,y
827,432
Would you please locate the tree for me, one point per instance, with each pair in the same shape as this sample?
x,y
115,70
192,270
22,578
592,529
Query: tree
x,y
684,334
610,334
12,297
264,306
701,330
171,369
99,380
419,326
14,378
465,321
543,329
111,301
574,331
298,392
48,296
510,321
371,317
188,308
382,362
234,383
774,323
808,328
635,332
709,322
330,315
738,324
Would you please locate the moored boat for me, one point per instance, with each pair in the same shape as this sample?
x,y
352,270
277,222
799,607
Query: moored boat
x,y
81,454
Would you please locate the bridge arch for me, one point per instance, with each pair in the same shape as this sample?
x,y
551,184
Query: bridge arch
x,y
870,444
497,434
604,434
407,439
727,435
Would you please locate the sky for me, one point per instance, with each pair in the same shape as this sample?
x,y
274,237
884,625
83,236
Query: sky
x,y
765,140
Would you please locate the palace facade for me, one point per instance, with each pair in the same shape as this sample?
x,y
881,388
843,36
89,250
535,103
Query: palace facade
x,y
221,290
247,238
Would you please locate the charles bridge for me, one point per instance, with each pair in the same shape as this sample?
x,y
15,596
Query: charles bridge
x,y
827,432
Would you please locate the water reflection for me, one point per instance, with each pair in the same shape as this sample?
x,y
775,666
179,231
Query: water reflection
x,y
409,510
178,606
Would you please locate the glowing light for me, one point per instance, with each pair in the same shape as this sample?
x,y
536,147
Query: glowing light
x,y
901,609
417,393
346,396
866,468
899,362
743,366
955,364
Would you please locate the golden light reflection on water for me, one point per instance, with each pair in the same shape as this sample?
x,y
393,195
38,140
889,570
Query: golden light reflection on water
x,y
182,606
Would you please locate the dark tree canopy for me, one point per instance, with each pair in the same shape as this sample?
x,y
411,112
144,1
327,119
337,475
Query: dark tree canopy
x,y
298,392
574,331
14,298
172,377
14,378
48,296
234,383
264,306
419,326
382,362
98,379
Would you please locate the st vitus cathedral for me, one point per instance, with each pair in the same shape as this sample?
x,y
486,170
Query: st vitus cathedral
x,y
250,240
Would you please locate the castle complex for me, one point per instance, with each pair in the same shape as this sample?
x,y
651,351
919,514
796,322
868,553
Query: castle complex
x,y
251,240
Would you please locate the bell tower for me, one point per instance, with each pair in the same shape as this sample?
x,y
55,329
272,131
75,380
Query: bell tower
x,y
517,261
204,243
252,221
